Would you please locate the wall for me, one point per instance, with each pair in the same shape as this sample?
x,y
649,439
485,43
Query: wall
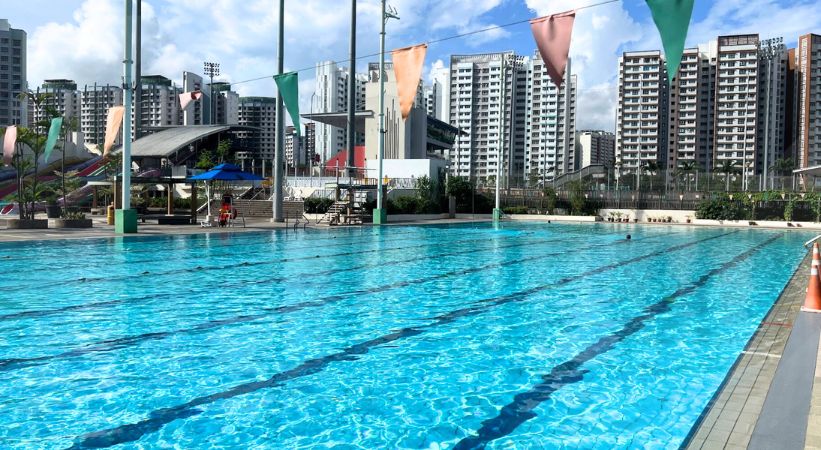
x,y
407,168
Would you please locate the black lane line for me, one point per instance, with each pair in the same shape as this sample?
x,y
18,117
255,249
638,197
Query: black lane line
x,y
245,237
161,417
127,341
521,408
229,251
48,312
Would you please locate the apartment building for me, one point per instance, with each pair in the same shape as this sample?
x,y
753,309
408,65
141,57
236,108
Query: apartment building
x,y
258,112
332,97
551,123
56,97
808,100
95,102
596,147
13,111
690,137
641,116
489,103
160,103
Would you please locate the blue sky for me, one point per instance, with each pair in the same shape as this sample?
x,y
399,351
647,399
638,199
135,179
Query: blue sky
x,y
82,39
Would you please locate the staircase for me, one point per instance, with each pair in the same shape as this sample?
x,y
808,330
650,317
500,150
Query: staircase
x,y
337,215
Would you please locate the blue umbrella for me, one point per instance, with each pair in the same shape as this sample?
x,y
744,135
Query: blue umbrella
x,y
224,172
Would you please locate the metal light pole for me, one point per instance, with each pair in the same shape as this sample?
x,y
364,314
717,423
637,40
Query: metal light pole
x,y
313,150
770,49
280,121
497,210
138,69
380,215
352,95
211,69
125,220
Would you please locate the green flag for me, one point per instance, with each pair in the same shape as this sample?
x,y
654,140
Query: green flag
x,y
53,135
288,87
672,18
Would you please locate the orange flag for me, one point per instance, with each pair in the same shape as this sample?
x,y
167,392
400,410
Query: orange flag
x,y
552,35
407,66
188,97
112,127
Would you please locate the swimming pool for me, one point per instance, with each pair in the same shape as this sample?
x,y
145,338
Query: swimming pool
x,y
432,337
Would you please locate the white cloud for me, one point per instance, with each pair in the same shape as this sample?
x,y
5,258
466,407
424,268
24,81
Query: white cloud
x,y
599,37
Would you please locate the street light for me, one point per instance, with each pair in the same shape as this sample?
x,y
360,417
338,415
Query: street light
x,y
379,213
497,211
769,50
211,69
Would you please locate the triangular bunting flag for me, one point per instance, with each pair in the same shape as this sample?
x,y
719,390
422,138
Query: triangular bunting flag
x,y
112,127
552,35
9,140
407,67
187,97
672,18
288,87
53,135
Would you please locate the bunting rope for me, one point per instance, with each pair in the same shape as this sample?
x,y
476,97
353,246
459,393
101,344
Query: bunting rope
x,y
435,41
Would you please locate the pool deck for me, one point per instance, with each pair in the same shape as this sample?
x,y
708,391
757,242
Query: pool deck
x,y
764,402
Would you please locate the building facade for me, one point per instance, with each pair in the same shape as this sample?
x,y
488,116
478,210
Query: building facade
x,y
808,97
194,114
331,97
95,102
56,97
596,147
13,111
488,104
551,124
160,103
641,116
260,113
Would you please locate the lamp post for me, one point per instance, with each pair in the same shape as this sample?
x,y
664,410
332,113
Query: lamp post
x,y
125,220
211,69
497,211
279,148
313,149
380,215
770,49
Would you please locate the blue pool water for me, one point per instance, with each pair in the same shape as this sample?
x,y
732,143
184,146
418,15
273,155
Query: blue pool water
x,y
430,337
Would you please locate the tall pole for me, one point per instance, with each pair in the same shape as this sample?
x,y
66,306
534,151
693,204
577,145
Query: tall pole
x,y
497,210
126,220
379,214
280,121
138,89
352,94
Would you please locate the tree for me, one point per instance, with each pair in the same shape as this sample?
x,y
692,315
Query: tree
x,y
652,167
686,168
728,167
783,166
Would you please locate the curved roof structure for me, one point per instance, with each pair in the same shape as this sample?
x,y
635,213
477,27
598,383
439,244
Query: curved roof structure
x,y
165,143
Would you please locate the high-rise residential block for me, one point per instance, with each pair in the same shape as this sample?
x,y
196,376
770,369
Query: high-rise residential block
x,y
95,102
551,144
58,97
160,103
596,147
332,97
13,111
195,113
641,116
260,113
808,100
488,104
691,112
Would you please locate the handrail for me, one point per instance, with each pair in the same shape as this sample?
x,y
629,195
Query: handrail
x,y
807,244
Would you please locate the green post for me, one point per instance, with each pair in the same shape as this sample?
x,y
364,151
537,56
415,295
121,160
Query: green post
x,y
125,221
380,216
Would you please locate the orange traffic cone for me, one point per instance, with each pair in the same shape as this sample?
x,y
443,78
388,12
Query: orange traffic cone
x,y
816,257
812,302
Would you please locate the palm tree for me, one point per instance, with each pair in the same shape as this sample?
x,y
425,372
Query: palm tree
x,y
783,166
651,167
687,167
728,167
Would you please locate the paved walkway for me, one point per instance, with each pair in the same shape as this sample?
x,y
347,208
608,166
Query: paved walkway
x,y
730,419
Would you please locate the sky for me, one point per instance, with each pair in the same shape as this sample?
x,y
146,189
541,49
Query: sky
x,y
83,39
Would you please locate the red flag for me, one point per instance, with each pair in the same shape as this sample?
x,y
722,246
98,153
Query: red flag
x,y
552,35
187,97
407,66
112,127
8,144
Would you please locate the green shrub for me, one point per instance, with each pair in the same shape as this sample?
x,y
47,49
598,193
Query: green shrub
x,y
316,205
721,208
515,210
